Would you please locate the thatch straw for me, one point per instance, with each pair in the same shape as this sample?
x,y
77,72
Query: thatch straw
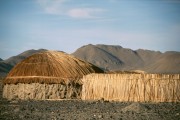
x,y
126,72
49,67
132,87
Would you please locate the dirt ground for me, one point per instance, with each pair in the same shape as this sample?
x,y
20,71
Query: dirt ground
x,y
86,110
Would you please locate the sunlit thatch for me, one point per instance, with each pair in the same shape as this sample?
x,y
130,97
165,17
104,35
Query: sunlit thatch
x,y
132,87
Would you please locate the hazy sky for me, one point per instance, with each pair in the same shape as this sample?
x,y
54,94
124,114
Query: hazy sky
x,y
68,24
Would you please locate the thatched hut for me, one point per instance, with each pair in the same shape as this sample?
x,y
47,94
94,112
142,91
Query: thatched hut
x,y
47,75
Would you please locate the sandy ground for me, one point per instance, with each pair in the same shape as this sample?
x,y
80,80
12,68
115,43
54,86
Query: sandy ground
x,y
86,110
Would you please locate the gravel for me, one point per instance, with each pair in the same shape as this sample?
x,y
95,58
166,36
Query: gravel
x,y
87,110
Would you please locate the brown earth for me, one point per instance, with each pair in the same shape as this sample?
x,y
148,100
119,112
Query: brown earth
x,y
86,110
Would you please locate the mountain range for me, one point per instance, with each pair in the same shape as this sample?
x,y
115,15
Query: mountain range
x,y
113,58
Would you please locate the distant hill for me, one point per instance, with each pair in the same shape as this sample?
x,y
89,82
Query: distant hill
x,y
99,57
4,68
168,62
8,64
114,58
16,59
1,59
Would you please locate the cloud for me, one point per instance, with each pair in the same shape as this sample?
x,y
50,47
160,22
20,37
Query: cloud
x,y
52,6
84,12
58,7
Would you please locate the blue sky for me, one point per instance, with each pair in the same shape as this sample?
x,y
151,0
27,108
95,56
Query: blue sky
x,y
69,24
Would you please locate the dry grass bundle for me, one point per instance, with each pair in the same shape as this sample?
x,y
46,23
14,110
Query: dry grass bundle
x,y
132,87
127,72
49,67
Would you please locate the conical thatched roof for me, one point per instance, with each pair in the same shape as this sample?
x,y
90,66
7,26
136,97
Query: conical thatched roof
x,y
50,67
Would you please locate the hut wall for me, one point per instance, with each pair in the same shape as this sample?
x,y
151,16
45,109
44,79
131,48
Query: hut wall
x,y
40,91
132,87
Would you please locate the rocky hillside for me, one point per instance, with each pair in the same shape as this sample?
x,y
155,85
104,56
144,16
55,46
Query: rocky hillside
x,y
18,58
113,58
4,68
